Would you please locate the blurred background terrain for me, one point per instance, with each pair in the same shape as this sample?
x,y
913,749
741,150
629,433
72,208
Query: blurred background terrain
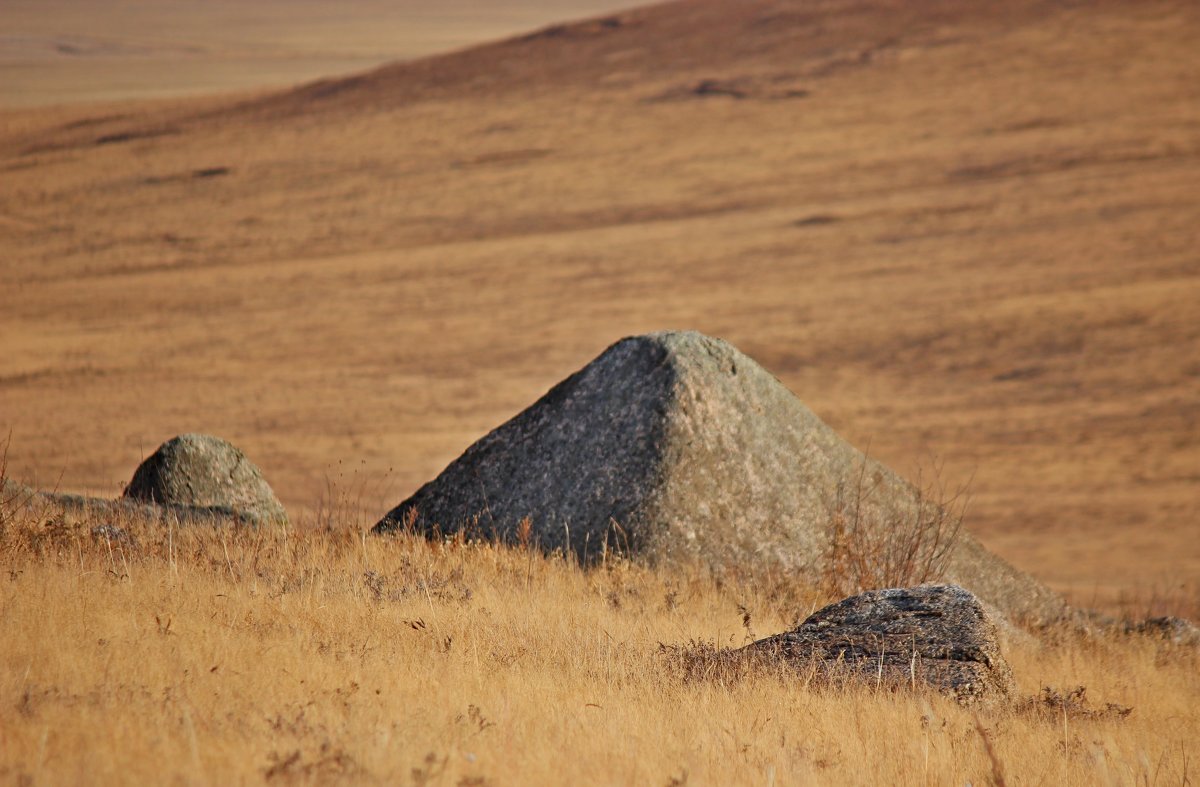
x,y
54,51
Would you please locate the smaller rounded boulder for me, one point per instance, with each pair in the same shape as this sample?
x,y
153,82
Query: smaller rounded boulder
x,y
205,472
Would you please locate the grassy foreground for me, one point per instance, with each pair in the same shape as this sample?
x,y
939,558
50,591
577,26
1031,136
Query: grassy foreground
x,y
320,655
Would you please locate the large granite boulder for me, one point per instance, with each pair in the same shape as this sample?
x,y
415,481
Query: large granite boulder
x,y
197,471
933,635
676,446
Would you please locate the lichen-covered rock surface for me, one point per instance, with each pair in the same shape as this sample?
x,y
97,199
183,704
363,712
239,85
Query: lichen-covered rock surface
x,y
676,446
204,472
932,635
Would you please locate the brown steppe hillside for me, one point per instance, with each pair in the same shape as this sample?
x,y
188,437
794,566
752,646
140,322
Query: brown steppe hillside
x,y
962,233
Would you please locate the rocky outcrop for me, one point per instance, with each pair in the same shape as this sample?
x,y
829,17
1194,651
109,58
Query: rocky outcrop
x,y
676,446
21,496
205,472
1168,628
933,635
193,479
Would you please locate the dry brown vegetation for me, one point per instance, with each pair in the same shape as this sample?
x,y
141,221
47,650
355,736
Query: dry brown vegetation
x,y
149,654
876,545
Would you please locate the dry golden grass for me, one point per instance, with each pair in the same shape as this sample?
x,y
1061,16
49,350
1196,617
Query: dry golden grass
x,y
323,655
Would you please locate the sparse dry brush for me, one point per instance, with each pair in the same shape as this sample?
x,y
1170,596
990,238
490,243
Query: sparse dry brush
x,y
142,653
875,544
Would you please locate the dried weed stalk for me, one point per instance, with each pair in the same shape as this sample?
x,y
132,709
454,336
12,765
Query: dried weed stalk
x,y
875,542
12,496
702,660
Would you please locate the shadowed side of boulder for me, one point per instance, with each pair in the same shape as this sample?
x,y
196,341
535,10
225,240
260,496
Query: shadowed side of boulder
x,y
581,463
197,471
933,635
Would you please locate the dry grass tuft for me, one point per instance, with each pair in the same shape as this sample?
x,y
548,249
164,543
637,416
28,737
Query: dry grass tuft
x,y
144,652
1052,703
874,543
12,496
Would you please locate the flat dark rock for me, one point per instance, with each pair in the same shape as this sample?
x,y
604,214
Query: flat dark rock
x,y
204,472
676,446
121,508
932,635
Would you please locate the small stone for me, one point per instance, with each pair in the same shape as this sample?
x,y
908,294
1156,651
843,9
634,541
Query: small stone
x,y
113,534
195,471
1177,631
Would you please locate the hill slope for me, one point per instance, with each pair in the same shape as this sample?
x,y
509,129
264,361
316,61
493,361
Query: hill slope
x,y
955,231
